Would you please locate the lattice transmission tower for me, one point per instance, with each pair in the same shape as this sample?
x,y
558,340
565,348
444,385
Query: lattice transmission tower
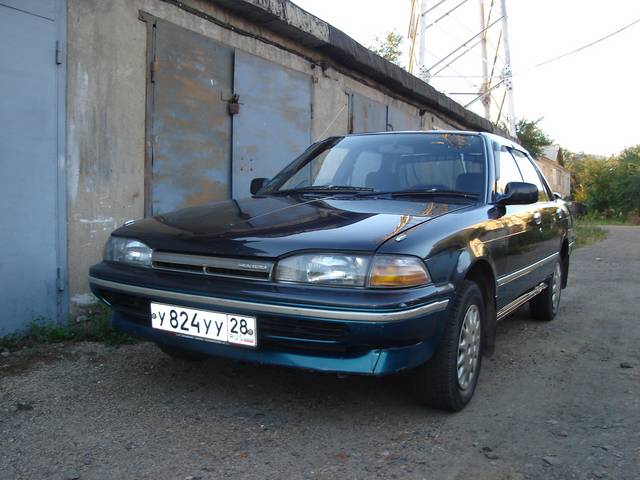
x,y
461,47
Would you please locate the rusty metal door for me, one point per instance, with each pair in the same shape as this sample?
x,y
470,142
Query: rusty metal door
x,y
191,81
398,120
273,125
367,115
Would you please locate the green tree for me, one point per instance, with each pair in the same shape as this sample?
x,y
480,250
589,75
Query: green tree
x,y
607,186
389,47
531,136
629,179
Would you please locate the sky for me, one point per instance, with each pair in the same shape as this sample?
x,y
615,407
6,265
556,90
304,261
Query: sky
x,y
589,101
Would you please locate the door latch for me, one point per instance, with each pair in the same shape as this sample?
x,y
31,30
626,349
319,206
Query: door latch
x,y
234,104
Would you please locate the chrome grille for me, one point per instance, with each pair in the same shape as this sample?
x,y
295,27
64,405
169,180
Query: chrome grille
x,y
214,266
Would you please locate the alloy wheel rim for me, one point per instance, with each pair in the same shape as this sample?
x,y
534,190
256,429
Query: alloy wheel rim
x,y
468,347
555,287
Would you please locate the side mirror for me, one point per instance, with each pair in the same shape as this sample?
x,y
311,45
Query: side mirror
x,y
518,193
557,196
257,184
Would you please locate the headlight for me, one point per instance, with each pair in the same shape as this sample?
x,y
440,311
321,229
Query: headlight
x,y
325,269
383,271
127,250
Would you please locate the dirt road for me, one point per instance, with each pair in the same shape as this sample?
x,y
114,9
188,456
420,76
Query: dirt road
x,y
554,402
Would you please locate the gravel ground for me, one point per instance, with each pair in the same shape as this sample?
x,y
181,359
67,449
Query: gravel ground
x,y
557,400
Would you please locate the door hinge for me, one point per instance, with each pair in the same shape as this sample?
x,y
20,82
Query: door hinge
x,y
58,53
152,70
154,145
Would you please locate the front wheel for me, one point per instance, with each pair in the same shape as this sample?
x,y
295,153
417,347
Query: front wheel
x,y
448,380
545,305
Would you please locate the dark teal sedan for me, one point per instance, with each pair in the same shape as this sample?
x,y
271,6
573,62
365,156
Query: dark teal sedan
x,y
369,254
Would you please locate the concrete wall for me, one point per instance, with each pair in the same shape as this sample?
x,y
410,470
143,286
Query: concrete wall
x,y
558,177
106,108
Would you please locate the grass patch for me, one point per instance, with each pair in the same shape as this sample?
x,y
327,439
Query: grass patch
x,y
588,233
595,218
96,328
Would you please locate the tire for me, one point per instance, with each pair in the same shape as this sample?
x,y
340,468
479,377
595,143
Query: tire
x,y
181,354
544,307
438,383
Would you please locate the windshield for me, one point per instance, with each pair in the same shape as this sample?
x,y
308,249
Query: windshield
x,y
399,162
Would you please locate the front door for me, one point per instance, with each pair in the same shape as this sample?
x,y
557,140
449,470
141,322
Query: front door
x,y
521,232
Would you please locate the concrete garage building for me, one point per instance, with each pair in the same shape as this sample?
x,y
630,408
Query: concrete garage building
x,y
116,109
552,165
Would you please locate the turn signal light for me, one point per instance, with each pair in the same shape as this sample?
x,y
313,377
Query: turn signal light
x,y
391,272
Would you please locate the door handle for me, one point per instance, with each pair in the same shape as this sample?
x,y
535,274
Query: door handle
x,y
537,217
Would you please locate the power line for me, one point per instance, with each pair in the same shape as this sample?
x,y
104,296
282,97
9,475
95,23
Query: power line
x,y
586,46
553,59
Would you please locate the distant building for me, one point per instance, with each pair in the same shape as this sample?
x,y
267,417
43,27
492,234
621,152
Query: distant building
x,y
551,164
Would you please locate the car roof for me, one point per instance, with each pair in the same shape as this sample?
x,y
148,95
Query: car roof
x,y
490,136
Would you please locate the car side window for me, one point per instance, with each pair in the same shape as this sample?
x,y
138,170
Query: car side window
x,y
530,174
508,171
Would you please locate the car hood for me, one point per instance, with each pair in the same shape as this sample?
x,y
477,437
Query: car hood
x,y
271,226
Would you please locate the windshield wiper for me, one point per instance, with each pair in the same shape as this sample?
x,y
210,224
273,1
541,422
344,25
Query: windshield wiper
x,y
323,189
430,193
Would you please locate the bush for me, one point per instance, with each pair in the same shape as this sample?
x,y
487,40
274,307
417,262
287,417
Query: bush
x,y
608,187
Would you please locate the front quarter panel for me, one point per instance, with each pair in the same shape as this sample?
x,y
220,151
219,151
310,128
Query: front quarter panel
x,y
451,244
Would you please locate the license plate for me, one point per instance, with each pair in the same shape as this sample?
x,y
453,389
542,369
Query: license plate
x,y
204,324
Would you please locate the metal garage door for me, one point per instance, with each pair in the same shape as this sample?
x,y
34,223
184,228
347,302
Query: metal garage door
x,y
274,122
367,115
398,120
30,256
190,131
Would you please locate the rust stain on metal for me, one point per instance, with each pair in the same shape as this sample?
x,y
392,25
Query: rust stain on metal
x,y
191,122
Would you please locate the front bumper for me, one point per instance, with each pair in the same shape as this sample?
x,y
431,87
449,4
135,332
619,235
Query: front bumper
x,y
371,337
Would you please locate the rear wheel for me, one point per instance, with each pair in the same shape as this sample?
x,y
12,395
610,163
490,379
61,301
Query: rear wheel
x,y
181,353
448,380
545,305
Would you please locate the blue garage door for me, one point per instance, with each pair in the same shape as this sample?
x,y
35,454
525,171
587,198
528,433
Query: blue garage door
x,y
190,122
273,125
29,215
398,120
367,115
